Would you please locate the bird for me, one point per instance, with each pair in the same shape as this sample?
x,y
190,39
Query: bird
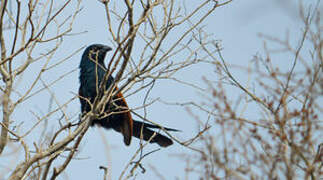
x,y
92,71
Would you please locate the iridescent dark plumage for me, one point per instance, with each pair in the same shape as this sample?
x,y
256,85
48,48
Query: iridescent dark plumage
x,y
92,70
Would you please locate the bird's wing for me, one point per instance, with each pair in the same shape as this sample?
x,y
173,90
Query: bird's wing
x,y
127,124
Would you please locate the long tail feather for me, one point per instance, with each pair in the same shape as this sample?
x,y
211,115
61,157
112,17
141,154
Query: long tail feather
x,y
156,127
160,139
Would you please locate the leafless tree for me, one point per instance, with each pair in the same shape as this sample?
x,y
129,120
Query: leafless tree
x,y
272,128
165,29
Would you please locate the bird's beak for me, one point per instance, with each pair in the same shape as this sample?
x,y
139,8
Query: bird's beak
x,y
106,48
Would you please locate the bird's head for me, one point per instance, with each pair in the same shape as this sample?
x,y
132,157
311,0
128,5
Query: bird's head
x,y
95,53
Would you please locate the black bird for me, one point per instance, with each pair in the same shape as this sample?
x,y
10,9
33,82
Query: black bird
x,y
92,70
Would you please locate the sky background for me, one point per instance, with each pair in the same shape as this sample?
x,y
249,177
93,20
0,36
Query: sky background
x,y
237,25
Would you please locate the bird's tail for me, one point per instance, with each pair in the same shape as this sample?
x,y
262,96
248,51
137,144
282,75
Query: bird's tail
x,y
142,130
